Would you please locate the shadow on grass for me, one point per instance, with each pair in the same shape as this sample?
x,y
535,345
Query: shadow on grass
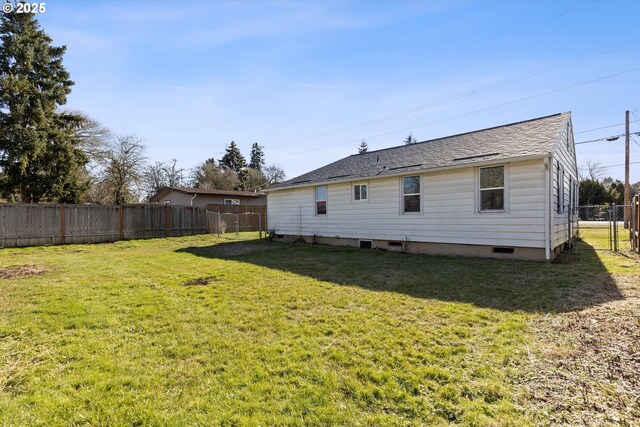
x,y
578,281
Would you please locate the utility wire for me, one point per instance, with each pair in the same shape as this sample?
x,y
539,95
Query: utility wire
x,y
603,127
481,89
606,138
478,111
621,164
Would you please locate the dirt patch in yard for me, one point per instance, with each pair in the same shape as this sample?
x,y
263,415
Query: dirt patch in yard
x,y
588,370
201,281
17,272
235,249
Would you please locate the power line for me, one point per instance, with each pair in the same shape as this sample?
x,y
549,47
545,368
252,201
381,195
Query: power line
x,y
621,164
481,89
478,111
603,127
606,138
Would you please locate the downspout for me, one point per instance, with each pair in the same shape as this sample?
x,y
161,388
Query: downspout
x,y
194,196
548,166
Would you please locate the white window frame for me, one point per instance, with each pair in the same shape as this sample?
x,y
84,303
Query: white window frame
x,y
353,192
167,202
316,200
504,188
231,202
402,195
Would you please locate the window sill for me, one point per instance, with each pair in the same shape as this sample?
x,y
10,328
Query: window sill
x,y
493,211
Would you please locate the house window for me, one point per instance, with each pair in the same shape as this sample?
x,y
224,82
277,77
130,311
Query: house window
x,y
492,188
231,202
560,191
321,200
557,188
360,192
411,194
167,202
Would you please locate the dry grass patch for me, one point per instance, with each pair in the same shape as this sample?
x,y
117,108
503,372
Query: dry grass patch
x,y
16,272
587,370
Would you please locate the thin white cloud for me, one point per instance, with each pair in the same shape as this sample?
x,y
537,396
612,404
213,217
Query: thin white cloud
x,y
275,24
79,40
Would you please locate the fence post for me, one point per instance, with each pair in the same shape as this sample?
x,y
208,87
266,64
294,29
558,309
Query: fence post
x,y
121,222
62,225
167,220
260,226
615,227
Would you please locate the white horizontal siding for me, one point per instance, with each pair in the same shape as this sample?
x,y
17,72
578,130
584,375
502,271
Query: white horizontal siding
x,y
565,156
449,210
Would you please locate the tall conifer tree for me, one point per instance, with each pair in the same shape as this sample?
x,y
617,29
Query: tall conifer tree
x,y
39,155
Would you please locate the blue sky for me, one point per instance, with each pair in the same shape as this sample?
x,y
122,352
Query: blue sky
x,y
190,76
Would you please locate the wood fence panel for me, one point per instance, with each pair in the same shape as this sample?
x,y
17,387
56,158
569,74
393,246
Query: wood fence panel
x,y
245,222
48,224
91,224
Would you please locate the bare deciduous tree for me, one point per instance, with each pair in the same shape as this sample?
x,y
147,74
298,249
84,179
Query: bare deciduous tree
x,y
274,174
592,170
123,168
94,140
160,175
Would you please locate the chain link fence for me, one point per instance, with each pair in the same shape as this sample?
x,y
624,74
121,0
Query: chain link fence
x,y
604,227
225,223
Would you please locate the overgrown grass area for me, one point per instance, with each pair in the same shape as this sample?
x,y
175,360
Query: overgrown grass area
x,y
207,331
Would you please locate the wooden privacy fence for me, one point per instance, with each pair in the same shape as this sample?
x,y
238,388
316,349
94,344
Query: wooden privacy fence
x,y
33,225
635,223
248,222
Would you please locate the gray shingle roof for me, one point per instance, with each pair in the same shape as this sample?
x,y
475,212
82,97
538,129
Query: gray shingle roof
x,y
203,191
527,138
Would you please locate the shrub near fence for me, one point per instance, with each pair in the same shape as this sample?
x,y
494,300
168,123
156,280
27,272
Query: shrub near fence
x,y
33,225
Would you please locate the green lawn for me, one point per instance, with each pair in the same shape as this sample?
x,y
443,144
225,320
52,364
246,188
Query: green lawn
x,y
207,331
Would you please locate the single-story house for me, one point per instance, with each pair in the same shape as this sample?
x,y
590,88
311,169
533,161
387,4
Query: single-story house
x,y
506,192
202,197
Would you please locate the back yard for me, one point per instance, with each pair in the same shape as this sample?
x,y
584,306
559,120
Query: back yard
x,y
203,330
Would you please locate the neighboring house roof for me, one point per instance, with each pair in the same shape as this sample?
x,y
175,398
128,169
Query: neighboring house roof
x,y
522,139
202,191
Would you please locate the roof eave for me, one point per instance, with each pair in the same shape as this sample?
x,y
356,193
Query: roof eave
x,y
422,170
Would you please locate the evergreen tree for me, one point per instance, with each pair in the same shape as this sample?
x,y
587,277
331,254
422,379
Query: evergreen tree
x,y
256,161
40,157
363,147
410,140
233,159
592,192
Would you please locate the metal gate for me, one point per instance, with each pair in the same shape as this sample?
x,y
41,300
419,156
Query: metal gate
x,y
221,223
604,226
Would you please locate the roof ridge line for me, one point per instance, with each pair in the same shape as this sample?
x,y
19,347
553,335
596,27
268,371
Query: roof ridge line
x,y
460,134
